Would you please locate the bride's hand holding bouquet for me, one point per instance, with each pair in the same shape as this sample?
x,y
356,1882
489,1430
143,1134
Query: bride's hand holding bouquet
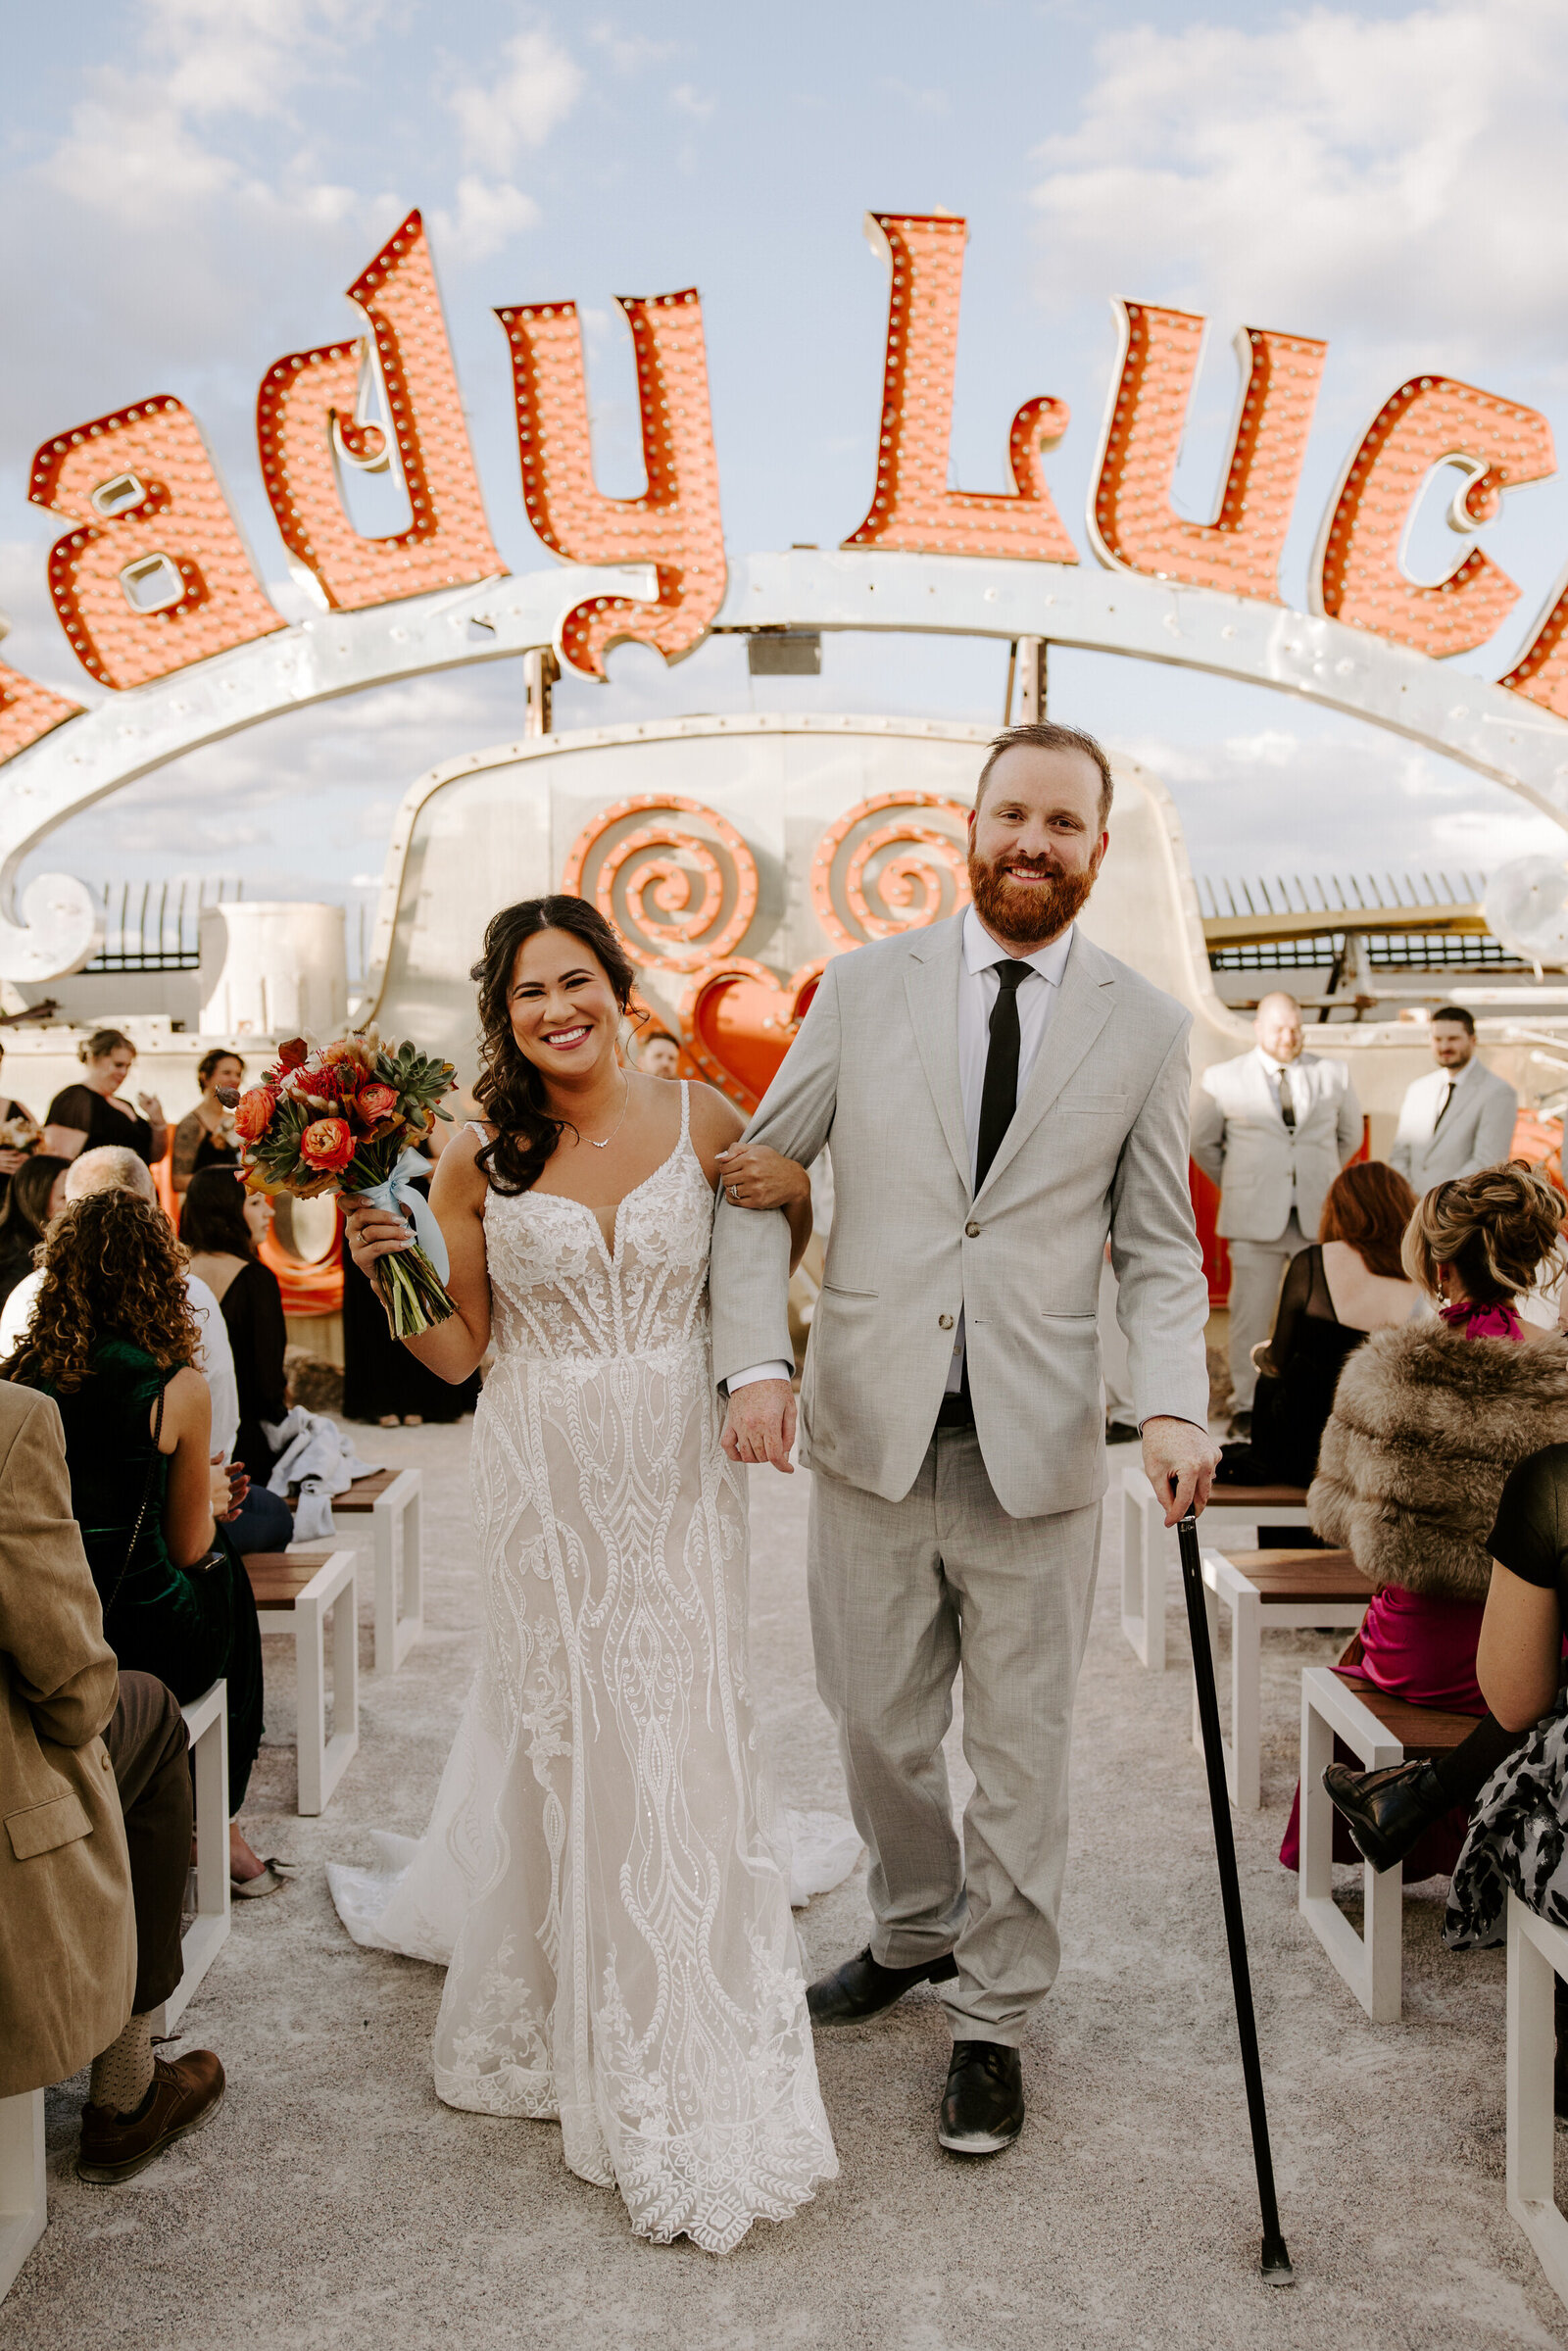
x,y
346,1118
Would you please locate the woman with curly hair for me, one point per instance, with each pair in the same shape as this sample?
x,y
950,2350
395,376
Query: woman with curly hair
x,y
1427,1423
602,1875
111,1340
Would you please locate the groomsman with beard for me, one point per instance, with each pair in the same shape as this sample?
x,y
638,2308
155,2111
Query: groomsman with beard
x,y
1000,1097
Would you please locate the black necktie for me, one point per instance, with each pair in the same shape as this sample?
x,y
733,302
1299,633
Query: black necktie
x,y
1286,1103
999,1097
1443,1106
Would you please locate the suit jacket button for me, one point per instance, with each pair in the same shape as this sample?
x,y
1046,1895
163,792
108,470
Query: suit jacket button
x,y
944,1322
974,1230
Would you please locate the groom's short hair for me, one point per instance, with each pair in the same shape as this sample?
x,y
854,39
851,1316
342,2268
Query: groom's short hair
x,y
1045,734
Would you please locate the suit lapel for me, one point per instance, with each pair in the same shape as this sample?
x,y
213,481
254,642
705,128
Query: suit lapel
x,y
1088,996
931,989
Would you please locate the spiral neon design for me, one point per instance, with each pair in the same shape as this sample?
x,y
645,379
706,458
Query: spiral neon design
x,y
859,899
665,884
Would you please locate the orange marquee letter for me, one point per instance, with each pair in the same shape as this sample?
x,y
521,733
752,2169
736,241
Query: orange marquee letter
x,y
305,428
913,509
157,576
675,524
1131,520
29,711
1359,577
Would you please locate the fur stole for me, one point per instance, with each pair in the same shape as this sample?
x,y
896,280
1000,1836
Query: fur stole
x,y
1426,1427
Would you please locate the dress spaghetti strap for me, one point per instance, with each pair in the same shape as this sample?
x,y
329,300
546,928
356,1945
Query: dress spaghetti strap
x,y
685,1113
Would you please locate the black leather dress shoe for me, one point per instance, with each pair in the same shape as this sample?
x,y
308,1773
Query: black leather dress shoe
x,y
1385,1810
982,2107
862,1986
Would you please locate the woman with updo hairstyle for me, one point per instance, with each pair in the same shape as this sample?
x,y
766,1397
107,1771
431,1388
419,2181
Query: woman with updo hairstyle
x,y
111,1340
205,1137
602,1871
93,1112
1427,1423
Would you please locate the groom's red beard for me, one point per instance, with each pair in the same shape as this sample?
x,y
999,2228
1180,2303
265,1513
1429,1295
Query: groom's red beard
x,y
1024,912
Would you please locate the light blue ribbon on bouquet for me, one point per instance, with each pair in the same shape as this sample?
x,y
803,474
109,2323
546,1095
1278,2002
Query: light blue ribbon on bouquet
x,y
397,1196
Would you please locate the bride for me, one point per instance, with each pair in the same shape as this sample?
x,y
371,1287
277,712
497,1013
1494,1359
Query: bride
x,y
603,1873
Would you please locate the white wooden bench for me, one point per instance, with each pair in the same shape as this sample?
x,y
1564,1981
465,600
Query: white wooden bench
x,y
207,1722
1149,1547
1538,1953
295,1594
23,2189
1292,1590
394,1499
1379,1731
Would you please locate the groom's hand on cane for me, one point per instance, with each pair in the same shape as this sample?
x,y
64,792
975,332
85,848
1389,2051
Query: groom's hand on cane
x,y
1179,1461
760,1425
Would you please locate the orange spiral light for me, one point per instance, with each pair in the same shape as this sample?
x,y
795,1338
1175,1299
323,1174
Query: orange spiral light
x,y
676,878
871,879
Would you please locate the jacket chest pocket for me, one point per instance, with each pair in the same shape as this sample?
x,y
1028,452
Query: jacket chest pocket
x,y
1094,1106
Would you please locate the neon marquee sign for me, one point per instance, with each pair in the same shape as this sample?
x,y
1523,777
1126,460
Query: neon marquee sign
x,y
160,599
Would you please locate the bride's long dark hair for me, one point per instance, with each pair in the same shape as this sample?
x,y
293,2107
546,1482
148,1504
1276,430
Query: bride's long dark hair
x,y
509,1088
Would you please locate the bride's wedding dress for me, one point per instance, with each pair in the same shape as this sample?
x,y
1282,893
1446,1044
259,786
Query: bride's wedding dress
x,y
604,1874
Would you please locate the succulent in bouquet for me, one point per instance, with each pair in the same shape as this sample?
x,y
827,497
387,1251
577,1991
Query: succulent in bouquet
x,y
346,1118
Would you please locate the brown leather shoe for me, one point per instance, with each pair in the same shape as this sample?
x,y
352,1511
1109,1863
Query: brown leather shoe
x,y
187,2092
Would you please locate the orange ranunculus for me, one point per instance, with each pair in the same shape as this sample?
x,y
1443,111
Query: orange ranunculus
x,y
327,1143
376,1100
252,1112
291,1055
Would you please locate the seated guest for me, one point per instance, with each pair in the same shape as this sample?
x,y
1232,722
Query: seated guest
x,y
113,1342
1348,1282
94,1112
1427,1423
223,1227
35,1194
11,1157
96,1774
115,1168
205,1136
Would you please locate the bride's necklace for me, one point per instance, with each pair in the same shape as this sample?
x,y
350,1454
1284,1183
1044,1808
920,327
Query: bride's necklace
x,y
620,1121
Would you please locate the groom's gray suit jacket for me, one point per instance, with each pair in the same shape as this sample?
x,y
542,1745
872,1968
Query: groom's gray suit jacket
x,y
1098,1143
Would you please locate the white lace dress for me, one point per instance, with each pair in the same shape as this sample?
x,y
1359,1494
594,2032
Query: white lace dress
x,y
603,1869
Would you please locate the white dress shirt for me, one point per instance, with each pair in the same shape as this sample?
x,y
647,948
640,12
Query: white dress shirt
x,y
215,1359
978,990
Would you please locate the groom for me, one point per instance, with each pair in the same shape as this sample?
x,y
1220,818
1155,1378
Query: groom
x,y
999,1095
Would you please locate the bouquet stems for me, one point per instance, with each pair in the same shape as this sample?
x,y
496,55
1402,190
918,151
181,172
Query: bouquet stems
x,y
413,1292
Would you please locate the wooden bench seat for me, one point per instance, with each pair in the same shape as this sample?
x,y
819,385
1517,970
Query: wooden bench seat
x,y
1288,1591
295,1593
1379,1731
1149,1547
393,1498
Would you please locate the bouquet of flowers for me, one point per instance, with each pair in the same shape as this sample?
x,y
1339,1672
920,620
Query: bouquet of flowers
x,y
344,1117
20,1134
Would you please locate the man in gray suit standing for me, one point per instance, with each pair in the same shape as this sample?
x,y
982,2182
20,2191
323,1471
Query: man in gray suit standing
x,y
1272,1129
999,1095
1459,1118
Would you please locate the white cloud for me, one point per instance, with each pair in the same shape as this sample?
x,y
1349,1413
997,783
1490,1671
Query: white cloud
x,y
488,214
688,100
1332,166
629,52
518,105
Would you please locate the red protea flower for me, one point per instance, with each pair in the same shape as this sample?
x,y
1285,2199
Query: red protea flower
x,y
291,1055
327,1143
253,1112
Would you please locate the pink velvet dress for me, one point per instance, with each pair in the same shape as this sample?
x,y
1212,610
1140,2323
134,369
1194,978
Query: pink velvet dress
x,y
1421,1649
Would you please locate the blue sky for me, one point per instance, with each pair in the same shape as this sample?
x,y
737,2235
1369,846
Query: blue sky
x,y
191,183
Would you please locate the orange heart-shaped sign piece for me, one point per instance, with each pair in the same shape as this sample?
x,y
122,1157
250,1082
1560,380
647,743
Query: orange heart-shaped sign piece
x,y
739,1020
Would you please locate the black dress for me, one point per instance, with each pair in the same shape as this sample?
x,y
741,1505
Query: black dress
x,y
196,1147
94,1115
1307,1350
253,1316
13,1109
380,1375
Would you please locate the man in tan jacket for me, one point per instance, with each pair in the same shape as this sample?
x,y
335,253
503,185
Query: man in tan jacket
x,y
95,1825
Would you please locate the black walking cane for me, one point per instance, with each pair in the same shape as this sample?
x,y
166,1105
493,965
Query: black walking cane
x,y
1276,2263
